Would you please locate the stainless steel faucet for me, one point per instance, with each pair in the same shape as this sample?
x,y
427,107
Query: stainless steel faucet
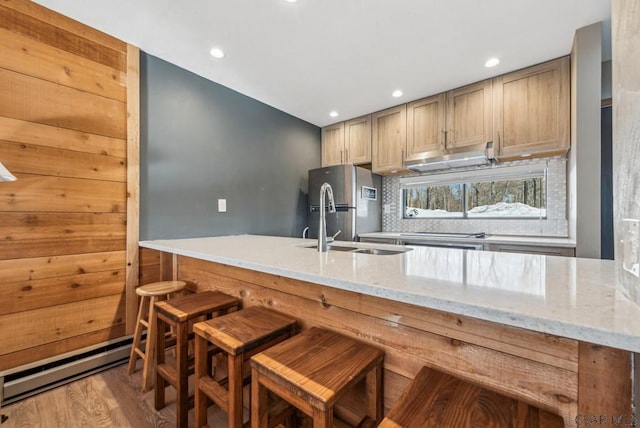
x,y
322,227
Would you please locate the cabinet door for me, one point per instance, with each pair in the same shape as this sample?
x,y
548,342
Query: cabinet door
x,y
357,140
532,109
469,115
425,125
389,139
333,144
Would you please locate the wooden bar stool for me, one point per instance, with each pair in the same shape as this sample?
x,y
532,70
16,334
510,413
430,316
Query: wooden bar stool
x,y
177,313
435,399
149,295
239,335
312,371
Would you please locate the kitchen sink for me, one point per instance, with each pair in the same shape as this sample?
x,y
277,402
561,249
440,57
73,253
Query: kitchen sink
x,y
333,247
381,251
360,250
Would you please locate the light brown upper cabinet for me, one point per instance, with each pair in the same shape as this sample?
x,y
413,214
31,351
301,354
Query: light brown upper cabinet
x,y
426,125
347,142
458,118
532,110
333,144
389,139
357,140
469,116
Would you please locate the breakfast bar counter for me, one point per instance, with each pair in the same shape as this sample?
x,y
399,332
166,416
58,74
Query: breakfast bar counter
x,y
556,332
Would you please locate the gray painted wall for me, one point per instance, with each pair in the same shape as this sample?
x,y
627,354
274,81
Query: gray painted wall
x,y
201,141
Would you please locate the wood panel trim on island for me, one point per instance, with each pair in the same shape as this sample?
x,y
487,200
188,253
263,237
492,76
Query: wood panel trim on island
x,y
600,366
532,367
555,374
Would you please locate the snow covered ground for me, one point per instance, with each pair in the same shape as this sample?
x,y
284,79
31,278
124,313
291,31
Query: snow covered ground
x,y
501,209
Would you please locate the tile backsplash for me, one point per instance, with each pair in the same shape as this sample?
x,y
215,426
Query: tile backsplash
x,y
556,223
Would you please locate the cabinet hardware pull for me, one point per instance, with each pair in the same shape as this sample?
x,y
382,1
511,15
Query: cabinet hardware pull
x,y
445,136
346,158
341,157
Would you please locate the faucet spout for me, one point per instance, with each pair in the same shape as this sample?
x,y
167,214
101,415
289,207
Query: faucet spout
x,y
325,192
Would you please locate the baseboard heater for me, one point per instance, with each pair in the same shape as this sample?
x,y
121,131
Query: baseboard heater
x,y
30,379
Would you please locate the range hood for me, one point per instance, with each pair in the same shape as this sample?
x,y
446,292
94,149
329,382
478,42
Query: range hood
x,y
476,155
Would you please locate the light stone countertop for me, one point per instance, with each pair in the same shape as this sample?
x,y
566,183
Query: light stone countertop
x,y
490,239
564,296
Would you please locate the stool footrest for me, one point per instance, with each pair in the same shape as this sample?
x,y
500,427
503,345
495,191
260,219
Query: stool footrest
x,y
168,372
217,393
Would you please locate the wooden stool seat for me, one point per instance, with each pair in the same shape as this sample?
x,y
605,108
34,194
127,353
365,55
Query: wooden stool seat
x,y
239,335
313,371
178,313
435,399
150,294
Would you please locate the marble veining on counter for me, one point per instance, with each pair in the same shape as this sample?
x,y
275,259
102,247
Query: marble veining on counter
x,y
564,296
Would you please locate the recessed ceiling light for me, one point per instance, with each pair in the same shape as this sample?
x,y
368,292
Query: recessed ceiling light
x,y
291,1
492,62
217,53
397,93
333,113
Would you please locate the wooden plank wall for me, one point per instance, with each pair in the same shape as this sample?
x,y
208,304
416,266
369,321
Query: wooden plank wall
x,y
63,224
536,368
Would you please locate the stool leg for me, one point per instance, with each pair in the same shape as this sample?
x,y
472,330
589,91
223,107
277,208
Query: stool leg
x,y
158,392
234,363
201,401
259,415
182,355
137,336
291,421
374,393
323,418
150,347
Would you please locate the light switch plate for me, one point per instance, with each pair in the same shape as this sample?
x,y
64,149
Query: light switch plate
x,y
631,246
222,205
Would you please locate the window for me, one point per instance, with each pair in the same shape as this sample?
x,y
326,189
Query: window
x,y
506,198
434,201
499,192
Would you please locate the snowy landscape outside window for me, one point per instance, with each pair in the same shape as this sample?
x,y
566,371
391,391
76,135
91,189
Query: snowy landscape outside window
x,y
515,195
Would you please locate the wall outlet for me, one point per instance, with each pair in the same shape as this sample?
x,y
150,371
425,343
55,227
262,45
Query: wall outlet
x,y
222,205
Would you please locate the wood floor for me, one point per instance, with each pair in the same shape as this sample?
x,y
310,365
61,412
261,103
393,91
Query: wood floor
x,y
107,399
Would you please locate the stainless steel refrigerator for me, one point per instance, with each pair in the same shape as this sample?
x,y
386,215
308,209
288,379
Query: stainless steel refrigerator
x,y
357,194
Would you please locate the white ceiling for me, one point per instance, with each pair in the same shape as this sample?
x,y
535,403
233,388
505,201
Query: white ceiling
x,y
314,56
